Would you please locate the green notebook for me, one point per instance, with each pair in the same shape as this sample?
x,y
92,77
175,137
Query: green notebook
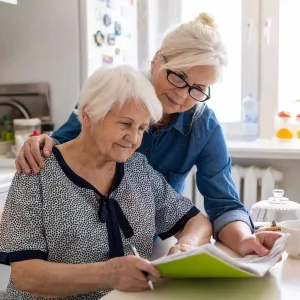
x,y
209,261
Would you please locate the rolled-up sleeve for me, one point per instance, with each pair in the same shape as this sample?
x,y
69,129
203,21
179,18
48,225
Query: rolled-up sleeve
x,y
172,210
215,183
21,228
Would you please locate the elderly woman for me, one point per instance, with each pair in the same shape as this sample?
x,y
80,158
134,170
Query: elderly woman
x,y
68,231
189,61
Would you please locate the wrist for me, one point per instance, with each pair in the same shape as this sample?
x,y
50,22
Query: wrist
x,y
103,275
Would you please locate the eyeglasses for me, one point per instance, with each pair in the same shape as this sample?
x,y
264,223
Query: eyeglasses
x,y
178,81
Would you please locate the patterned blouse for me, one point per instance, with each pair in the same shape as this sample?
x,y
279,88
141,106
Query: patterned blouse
x,y
56,216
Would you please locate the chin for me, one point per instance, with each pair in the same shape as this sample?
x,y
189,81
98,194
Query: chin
x,y
121,158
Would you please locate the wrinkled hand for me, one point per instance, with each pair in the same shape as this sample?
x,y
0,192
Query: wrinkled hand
x,y
181,248
259,243
125,273
30,157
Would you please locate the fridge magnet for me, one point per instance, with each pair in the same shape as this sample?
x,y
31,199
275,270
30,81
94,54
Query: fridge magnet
x,y
107,60
117,51
118,28
107,20
99,38
111,40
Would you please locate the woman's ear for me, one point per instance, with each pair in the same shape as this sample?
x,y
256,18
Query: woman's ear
x,y
86,122
154,60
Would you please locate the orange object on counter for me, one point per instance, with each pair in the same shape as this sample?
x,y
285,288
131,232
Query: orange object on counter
x,y
284,133
284,126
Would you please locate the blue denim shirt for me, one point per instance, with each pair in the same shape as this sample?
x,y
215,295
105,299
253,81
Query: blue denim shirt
x,y
190,139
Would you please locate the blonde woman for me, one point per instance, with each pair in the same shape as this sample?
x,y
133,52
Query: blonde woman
x,y
189,61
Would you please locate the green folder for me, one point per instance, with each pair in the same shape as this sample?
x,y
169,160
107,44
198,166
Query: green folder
x,y
209,261
202,265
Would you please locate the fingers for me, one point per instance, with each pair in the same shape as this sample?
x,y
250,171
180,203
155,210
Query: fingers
x,y
146,266
268,238
18,166
49,143
258,248
29,150
30,157
21,161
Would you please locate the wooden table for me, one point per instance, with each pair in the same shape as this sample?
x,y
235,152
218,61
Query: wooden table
x,y
281,283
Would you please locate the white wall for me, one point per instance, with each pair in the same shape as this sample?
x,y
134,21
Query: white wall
x,y
31,50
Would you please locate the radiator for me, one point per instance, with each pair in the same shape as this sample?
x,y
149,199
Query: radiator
x,y
252,184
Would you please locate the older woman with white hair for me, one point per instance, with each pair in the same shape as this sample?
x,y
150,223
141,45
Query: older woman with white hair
x,y
67,232
189,61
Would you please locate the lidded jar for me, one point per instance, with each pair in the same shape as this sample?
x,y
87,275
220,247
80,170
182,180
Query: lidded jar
x,y
276,208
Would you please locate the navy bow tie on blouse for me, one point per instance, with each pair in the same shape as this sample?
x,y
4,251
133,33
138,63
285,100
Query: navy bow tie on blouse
x,y
111,213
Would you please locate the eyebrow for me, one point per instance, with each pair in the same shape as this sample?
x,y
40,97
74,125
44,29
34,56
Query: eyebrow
x,y
146,124
196,84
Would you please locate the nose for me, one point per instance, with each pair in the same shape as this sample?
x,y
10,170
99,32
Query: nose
x,y
132,136
182,93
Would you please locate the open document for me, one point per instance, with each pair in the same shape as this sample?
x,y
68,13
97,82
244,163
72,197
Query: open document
x,y
209,261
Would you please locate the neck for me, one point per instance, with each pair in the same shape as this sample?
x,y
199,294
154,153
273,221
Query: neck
x,y
84,151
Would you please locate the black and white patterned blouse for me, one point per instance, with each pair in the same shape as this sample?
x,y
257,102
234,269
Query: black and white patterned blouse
x,y
55,216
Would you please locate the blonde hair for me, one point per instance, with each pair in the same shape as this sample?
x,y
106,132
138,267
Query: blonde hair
x,y
114,85
196,43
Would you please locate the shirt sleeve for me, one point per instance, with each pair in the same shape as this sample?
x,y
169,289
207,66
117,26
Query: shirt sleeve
x,y
172,210
21,228
215,183
68,131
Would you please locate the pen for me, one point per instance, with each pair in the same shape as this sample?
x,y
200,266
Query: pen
x,y
150,284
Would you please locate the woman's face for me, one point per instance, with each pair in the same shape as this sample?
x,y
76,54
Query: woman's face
x,y
120,133
173,99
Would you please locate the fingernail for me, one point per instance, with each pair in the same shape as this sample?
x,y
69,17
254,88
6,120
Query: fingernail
x,y
41,165
35,171
27,171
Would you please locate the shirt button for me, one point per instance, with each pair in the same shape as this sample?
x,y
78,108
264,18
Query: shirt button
x,y
157,133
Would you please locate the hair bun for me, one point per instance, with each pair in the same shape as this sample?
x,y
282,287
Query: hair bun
x,y
206,19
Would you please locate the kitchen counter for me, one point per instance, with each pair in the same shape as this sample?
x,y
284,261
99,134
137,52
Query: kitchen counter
x,y
264,149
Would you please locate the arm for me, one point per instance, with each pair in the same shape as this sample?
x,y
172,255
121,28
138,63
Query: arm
x,y
30,157
215,183
231,223
52,280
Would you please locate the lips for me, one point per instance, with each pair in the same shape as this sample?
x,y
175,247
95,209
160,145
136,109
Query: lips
x,y
171,100
125,147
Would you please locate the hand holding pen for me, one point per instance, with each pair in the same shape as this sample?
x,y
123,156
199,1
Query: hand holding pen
x,y
126,273
147,277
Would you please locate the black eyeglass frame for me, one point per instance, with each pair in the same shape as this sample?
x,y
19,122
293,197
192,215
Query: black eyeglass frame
x,y
169,72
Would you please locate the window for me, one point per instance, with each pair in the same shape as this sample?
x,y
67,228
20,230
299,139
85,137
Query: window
x,y
226,95
289,54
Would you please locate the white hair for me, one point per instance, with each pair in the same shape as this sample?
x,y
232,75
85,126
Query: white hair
x,y
114,85
196,43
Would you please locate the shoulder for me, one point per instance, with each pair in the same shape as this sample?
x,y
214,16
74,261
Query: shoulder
x,y
136,162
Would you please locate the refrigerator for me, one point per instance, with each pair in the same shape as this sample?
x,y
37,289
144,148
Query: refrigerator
x,y
108,31
61,43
